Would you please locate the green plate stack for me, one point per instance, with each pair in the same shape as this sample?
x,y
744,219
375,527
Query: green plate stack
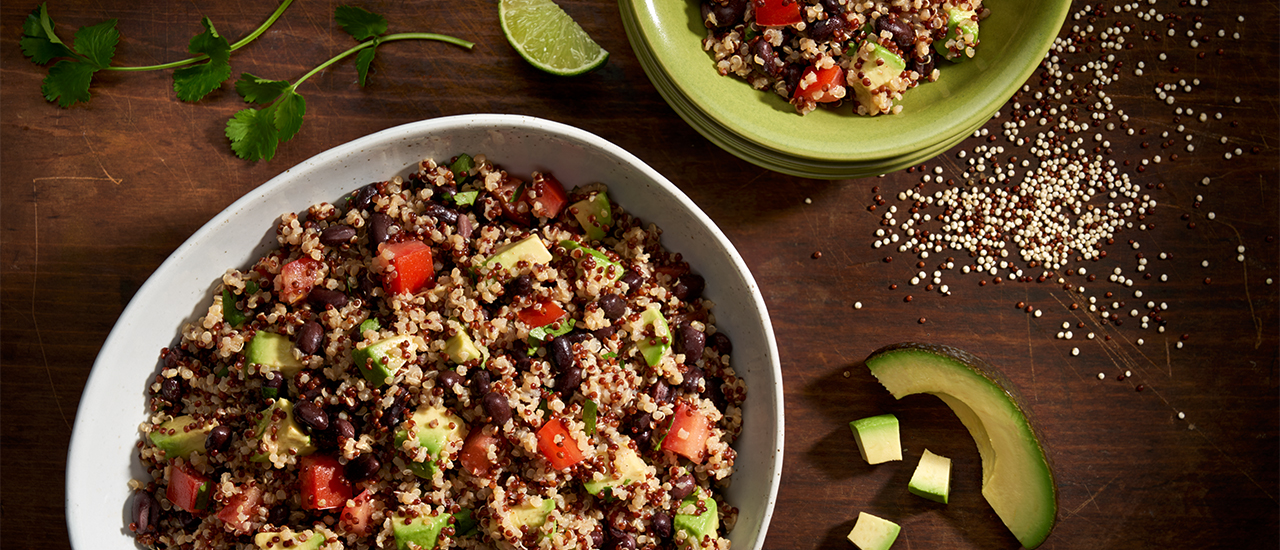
x,y
762,128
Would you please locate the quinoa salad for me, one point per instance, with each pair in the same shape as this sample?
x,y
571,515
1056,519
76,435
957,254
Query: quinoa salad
x,y
457,358
868,52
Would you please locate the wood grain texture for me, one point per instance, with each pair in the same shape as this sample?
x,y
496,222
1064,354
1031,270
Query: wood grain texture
x,y
96,196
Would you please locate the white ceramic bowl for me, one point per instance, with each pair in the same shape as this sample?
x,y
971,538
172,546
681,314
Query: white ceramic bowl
x,y
102,457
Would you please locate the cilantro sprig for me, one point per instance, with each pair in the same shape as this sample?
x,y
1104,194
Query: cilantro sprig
x,y
256,133
94,47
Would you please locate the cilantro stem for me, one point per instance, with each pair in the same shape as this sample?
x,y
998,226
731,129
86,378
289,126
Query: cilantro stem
x,y
375,41
239,44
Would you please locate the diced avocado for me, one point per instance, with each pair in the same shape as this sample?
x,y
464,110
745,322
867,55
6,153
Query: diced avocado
x,y
962,34
1016,477
273,351
594,214
382,359
422,531
461,348
878,438
529,249
279,433
286,539
627,468
609,269
181,436
436,428
873,533
697,526
878,66
526,514
659,344
932,478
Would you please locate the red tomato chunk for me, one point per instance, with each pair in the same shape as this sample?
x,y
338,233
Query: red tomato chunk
x,y
296,279
821,90
240,508
775,13
355,516
688,434
188,490
557,446
542,313
413,266
323,482
474,456
546,196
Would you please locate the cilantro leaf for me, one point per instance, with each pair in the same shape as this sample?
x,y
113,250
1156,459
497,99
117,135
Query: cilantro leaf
x,y
289,110
360,24
97,43
464,198
253,134
363,60
68,82
38,41
195,82
259,90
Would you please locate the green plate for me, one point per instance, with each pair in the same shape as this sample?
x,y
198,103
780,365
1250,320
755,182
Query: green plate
x,y
1015,39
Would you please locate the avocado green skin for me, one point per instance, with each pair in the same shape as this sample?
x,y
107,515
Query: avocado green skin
x,y
701,525
995,378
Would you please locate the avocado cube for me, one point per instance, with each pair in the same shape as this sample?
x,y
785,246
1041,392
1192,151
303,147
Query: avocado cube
x,y
962,34
436,428
421,531
627,468
654,347
878,439
181,436
279,433
274,351
932,478
286,539
380,360
533,516
873,533
696,526
608,269
877,66
529,249
594,214
461,348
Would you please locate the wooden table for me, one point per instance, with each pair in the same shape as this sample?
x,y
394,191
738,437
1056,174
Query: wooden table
x,y
96,196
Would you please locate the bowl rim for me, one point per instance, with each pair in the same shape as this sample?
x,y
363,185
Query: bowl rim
x,y
84,459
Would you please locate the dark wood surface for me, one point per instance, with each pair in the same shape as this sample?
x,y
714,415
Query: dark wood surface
x,y
96,196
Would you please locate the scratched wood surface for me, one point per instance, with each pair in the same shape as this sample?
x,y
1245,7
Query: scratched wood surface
x,y
96,196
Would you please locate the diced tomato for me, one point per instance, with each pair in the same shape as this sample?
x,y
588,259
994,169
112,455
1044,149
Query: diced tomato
x,y
413,266
688,433
474,455
548,196
541,313
324,483
239,509
355,516
557,446
509,195
296,278
774,13
188,489
821,90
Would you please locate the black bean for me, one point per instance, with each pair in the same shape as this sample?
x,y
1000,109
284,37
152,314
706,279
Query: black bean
x,y
693,380
604,333
278,515
309,337
498,408
361,198
824,30
561,352
568,381
363,467
721,343
690,342
379,229
689,287
791,74
661,524
447,190
480,381
640,426
464,227
368,284
172,357
626,541
660,392
578,336
924,68
718,14
188,520
171,390
520,286
762,56
448,379
146,513
391,416
682,487
275,380
344,429
311,415
613,306
833,7
633,281
336,235
217,438
903,36
597,537
325,298
442,213
522,361
714,390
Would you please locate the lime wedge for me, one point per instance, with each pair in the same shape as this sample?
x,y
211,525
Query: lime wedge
x,y
548,38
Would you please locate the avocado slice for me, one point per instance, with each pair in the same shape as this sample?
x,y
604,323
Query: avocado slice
x,y
609,269
422,531
529,249
272,350
286,539
873,533
878,438
181,436
527,514
697,526
932,478
381,360
280,433
627,468
435,428
461,348
962,34
594,214
1016,476
655,347
877,66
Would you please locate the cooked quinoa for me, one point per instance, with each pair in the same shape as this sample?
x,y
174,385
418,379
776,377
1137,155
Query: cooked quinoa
x,y
447,360
830,51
